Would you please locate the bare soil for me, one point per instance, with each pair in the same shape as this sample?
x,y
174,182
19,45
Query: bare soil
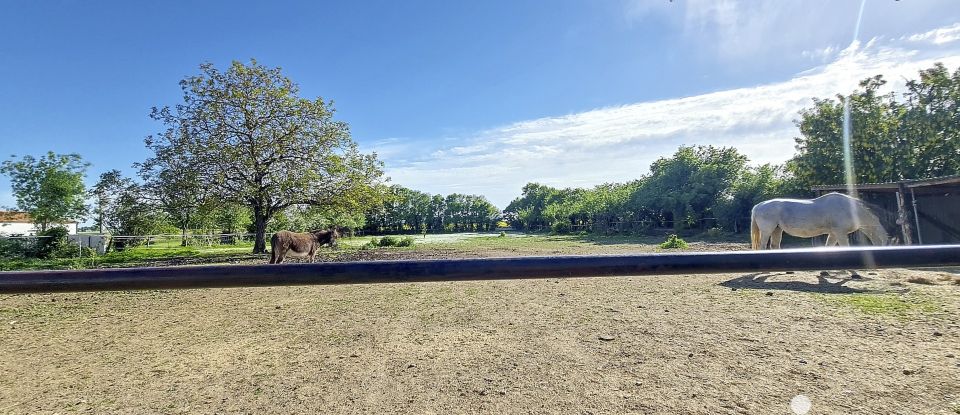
x,y
700,344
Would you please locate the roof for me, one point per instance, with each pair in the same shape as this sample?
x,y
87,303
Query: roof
x,y
894,186
19,217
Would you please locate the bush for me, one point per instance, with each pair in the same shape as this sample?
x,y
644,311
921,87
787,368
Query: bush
x,y
502,234
55,245
373,243
13,248
389,241
674,242
560,228
714,232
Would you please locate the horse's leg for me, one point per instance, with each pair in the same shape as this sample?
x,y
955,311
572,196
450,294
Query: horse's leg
x,y
830,240
764,238
843,240
281,254
775,238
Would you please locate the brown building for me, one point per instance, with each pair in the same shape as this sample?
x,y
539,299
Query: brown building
x,y
922,211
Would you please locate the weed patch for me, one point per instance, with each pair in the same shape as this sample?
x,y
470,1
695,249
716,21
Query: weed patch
x,y
895,305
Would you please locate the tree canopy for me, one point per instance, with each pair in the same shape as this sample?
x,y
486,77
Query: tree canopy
x,y
49,188
912,135
252,140
407,210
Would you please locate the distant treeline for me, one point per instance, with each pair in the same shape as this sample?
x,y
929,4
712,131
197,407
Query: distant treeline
x,y
910,135
406,210
696,188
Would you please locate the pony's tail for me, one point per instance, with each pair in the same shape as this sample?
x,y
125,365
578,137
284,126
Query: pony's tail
x,y
754,232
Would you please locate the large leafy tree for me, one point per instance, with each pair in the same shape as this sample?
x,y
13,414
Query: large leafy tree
x,y
755,185
122,208
689,184
173,181
49,188
893,138
132,213
105,193
527,211
253,140
930,122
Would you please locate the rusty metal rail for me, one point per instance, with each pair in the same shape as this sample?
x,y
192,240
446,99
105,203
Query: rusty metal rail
x,y
475,269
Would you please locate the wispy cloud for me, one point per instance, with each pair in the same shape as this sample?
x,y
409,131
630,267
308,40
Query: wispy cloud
x,y
742,31
619,143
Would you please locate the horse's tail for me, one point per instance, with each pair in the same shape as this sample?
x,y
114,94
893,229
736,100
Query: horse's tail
x,y
754,231
274,241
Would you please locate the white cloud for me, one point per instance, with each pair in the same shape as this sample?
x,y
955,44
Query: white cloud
x,y
745,32
616,144
939,36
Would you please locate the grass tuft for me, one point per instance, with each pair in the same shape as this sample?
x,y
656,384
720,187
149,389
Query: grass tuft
x,y
674,242
885,304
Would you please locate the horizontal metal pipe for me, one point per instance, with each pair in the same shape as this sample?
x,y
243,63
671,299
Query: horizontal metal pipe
x,y
475,269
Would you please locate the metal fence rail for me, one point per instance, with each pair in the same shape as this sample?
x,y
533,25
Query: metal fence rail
x,y
475,269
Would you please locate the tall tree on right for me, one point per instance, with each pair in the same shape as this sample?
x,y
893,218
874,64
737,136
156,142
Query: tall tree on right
x,y
915,137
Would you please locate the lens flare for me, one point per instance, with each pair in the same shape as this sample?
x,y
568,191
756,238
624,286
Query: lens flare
x,y
848,168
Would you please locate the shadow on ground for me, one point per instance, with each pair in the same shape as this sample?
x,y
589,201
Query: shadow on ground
x,y
760,281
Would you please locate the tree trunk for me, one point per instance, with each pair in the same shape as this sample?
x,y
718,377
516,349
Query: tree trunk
x,y
260,242
183,236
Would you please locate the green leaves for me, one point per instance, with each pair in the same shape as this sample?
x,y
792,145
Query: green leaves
x,y
912,136
49,188
410,210
243,135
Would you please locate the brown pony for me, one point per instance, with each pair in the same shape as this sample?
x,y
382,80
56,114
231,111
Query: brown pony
x,y
286,243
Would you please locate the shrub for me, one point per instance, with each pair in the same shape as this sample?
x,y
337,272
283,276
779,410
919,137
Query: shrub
x,y
674,242
55,245
13,248
389,241
560,228
502,234
371,244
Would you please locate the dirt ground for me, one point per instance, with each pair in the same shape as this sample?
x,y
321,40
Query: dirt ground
x,y
887,342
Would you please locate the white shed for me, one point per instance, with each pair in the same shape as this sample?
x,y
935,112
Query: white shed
x,y
20,223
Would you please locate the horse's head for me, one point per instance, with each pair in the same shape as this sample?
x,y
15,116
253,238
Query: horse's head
x,y
335,233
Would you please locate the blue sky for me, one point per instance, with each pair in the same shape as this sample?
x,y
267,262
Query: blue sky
x,y
473,97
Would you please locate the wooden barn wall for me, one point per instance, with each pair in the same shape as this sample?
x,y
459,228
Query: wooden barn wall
x,y
939,212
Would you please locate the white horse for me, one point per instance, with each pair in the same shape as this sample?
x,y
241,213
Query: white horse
x,y
834,214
